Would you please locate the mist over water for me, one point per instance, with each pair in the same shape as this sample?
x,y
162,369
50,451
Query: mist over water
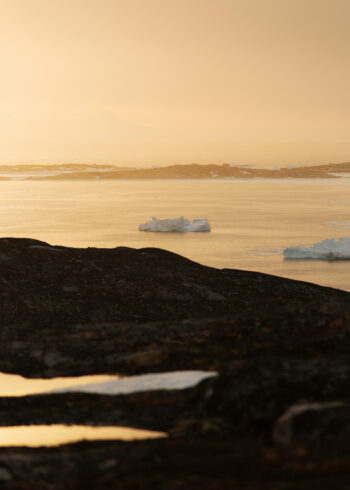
x,y
252,221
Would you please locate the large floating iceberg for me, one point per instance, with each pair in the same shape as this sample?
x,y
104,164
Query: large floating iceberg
x,y
329,249
177,225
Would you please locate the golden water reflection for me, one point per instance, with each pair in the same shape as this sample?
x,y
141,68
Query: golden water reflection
x,y
15,385
248,218
54,435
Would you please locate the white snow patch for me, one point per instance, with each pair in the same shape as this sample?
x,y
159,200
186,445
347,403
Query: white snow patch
x,y
176,380
177,225
329,249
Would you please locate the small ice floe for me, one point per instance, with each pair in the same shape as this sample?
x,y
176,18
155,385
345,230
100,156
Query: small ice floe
x,y
175,225
329,249
176,380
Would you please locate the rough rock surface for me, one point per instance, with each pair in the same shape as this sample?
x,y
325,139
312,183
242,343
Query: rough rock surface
x,y
276,417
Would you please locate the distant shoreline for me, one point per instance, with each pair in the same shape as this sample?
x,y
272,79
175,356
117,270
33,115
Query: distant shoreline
x,y
172,172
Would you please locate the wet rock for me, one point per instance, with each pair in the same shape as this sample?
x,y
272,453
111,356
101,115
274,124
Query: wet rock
x,y
311,420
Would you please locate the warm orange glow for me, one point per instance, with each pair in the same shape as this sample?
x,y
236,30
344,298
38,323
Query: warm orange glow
x,y
15,385
54,435
162,81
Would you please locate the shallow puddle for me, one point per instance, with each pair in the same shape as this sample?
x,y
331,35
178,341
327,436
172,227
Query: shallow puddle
x,y
54,435
14,385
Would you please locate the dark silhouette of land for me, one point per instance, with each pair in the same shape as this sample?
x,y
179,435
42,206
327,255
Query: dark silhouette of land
x,y
277,416
191,171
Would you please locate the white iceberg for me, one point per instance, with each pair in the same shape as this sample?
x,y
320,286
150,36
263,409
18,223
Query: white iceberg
x,y
175,225
329,249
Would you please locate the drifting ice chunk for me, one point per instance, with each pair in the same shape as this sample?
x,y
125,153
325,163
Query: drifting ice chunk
x,y
177,225
329,249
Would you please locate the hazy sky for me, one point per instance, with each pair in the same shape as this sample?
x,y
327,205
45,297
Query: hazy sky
x,y
174,81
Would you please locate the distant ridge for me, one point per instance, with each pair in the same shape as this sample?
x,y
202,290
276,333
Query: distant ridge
x,y
191,171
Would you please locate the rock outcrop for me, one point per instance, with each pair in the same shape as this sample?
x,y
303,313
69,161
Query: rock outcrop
x,y
280,403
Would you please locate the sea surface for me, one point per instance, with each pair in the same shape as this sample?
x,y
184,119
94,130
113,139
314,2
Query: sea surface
x,y
252,221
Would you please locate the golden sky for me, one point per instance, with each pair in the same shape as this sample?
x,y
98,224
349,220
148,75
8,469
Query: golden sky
x,y
150,82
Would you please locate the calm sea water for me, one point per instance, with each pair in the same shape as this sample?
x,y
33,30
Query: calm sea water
x,y
252,221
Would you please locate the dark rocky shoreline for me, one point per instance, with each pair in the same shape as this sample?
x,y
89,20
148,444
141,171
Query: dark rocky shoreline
x,y
277,416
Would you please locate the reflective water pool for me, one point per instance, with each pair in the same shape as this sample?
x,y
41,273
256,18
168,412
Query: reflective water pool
x,y
14,385
54,435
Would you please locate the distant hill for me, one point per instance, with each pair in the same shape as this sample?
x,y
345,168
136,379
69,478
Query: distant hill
x,y
192,171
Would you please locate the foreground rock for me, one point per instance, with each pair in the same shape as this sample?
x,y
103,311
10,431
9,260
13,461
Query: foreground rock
x,y
280,404
70,311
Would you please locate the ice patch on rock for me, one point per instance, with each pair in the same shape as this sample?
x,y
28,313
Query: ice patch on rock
x,y
175,225
329,249
176,380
